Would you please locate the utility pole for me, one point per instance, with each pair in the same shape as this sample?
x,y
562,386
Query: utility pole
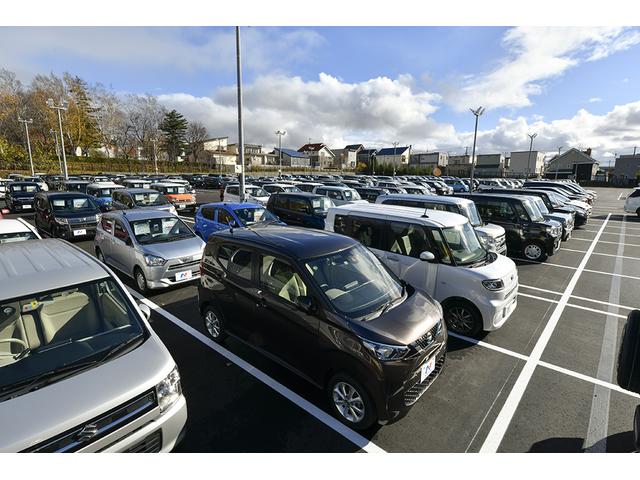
x,y
240,126
55,137
395,145
479,111
280,133
63,106
531,136
557,160
26,127
155,155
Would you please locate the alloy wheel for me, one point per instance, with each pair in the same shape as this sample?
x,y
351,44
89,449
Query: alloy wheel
x,y
533,251
142,282
212,324
348,402
460,319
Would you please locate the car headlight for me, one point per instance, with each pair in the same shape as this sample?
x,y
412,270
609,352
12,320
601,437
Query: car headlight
x,y
486,240
98,217
153,261
493,285
61,221
552,231
169,390
385,352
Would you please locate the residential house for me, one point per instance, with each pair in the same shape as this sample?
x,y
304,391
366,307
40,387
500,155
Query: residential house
x,y
253,154
573,164
398,156
291,158
345,158
319,154
490,165
627,168
366,155
521,165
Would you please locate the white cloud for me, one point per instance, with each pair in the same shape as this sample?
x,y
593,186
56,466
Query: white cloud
x,y
377,111
595,100
536,55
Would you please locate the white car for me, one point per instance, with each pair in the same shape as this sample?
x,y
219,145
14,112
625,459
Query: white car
x,y
253,194
632,204
280,188
16,230
340,195
3,186
41,183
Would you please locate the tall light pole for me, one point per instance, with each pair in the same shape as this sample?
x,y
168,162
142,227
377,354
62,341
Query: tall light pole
x,y
280,133
55,137
531,136
557,160
26,127
395,145
63,106
240,127
372,161
477,112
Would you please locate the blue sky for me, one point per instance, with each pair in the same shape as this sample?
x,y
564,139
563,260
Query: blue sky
x,y
379,84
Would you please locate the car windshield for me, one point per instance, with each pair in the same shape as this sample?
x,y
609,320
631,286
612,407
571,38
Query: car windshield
x,y
176,190
351,195
471,212
150,199
77,327
76,187
72,204
15,237
24,188
291,188
541,206
321,204
464,244
560,197
156,230
354,281
251,216
534,212
106,192
256,191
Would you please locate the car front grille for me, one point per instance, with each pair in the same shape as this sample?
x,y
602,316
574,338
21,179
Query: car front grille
x,y
426,340
150,444
182,266
88,432
412,395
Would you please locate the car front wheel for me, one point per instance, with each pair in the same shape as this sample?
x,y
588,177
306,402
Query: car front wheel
x,y
141,281
462,318
350,402
535,252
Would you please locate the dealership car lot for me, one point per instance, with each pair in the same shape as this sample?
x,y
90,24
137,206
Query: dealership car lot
x,y
543,382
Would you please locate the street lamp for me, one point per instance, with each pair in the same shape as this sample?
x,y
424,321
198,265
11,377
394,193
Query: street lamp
x,y
477,112
395,145
280,133
55,137
557,160
26,127
240,124
63,106
531,136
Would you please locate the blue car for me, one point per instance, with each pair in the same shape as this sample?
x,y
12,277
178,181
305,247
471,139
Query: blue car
x,y
101,193
212,217
458,185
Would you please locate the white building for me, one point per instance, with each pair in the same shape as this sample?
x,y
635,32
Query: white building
x,y
521,166
397,156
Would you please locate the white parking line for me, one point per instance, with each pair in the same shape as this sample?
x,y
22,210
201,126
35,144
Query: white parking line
x,y
602,254
606,241
187,219
572,305
576,268
620,196
577,297
305,405
501,424
612,233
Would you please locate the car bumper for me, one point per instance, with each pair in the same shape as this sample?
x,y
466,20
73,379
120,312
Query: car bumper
x,y
496,311
167,275
73,232
22,207
553,245
182,206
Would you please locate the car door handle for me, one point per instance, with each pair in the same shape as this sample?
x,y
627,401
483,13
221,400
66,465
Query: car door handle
x,y
261,301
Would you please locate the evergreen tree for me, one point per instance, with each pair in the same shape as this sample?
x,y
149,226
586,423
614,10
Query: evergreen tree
x,y
82,126
174,129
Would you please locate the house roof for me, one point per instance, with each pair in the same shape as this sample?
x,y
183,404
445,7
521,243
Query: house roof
x,y
392,151
584,158
355,146
291,153
312,147
368,151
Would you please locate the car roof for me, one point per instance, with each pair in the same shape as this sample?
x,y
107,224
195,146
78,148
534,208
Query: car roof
x,y
105,185
435,218
335,187
495,195
59,194
12,225
168,184
232,205
431,198
138,190
138,214
276,184
34,266
13,184
295,242
298,194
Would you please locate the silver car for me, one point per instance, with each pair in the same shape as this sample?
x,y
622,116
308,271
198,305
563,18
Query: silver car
x,y
144,198
155,248
80,368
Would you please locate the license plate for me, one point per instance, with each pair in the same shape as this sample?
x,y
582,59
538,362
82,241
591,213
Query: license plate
x,y
26,206
81,231
183,275
182,205
427,368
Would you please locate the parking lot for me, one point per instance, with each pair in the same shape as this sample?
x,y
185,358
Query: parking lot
x,y
545,382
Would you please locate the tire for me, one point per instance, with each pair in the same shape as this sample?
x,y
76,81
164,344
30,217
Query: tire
x,y
359,412
462,318
535,252
213,323
100,256
141,281
628,370
638,212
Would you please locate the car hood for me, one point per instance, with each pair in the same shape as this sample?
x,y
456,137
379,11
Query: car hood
x,y
164,208
491,229
42,414
502,268
84,216
562,218
402,324
578,203
176,249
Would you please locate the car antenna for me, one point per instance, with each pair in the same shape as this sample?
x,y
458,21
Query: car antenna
x,y
424,215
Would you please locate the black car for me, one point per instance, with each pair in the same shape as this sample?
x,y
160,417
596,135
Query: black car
x,y
528,233
566,190
300,208
323,306
74,186
67,215
214,183
371,193
19,196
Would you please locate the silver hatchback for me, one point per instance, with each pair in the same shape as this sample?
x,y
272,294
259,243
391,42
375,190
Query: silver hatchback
x,y
155,248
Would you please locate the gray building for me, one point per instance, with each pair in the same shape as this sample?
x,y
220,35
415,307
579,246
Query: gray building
x,y
627,168
291,158
490,165
459,165
573,164
429,159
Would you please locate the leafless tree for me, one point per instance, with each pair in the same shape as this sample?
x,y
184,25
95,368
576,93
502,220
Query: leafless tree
x,y
196,135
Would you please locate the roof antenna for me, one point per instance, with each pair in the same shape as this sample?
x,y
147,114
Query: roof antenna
x,y
424,215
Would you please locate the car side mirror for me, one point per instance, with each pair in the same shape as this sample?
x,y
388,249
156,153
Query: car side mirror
x,y
427,256
629,354
146,311
304,303
233,224
129,242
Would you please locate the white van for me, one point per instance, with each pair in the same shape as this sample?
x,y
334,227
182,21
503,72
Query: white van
x,y
339,195
632,203
252,193
440,253
81,370
492,236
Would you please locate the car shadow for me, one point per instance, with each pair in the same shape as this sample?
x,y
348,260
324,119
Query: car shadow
x,y
617,443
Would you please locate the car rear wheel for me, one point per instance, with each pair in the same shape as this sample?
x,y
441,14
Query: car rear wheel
x,y
535,252
141,281
462,318
638,212
213,323
350,402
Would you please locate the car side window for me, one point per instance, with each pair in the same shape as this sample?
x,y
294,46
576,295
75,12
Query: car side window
x,y
520,211
298,205
207,213
233,190
128,201
107,225
340,224
235,260
334,194
408,239
441,246
282,202
120,231
224,216
368,232
279,278
634,194
321,191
